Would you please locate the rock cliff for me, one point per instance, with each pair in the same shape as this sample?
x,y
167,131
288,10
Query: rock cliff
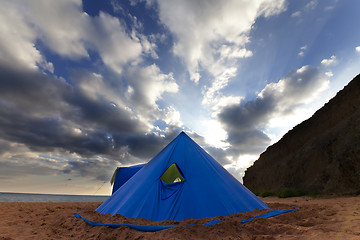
x,y
320,155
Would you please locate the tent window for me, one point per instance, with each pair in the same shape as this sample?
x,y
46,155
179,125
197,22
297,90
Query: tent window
x,y
172,174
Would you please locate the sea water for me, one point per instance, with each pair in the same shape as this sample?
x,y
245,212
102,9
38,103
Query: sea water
x,y
31,197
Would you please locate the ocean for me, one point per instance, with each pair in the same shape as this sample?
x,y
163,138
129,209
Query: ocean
x,y
31,197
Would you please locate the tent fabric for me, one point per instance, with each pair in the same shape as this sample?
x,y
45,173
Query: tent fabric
x,y
122,174
154,228
143,228
208,190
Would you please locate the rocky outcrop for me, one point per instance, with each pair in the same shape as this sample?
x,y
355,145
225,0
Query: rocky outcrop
x,y
320,155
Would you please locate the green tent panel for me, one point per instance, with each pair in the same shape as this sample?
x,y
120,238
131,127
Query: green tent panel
x,y
172,174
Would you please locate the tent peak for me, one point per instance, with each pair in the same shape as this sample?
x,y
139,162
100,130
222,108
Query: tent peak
x,y
183,133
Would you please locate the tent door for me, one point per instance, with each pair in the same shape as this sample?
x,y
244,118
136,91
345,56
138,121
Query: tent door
x,y
171,181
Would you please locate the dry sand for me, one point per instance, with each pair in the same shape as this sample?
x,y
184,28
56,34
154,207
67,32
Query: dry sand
x,y
317,218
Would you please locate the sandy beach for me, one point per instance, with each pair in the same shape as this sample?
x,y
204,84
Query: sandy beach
x,y
317,218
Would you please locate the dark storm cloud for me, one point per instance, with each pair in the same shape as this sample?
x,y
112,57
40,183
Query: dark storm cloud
x,y
252,142
246,121
31,92
103,114
46,113
94,168
34,111
4,147
147,146
94,106
46,134
242,123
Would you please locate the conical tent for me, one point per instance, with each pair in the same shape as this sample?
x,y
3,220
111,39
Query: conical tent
x,y
182,181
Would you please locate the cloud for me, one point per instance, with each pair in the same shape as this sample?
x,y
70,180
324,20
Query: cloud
x,y
219,24
331,61
212,95
97,101
31,93
66,30
60,25
302,50
217,153
12,169
117,48
95,168
329,74
146,146
311,5
213,40
245,122
93,119
46,113
146,85
84,120
296,14
17,39
87,118
13,166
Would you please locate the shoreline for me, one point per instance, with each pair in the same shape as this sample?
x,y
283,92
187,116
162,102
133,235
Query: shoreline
x,y
40,197
317,218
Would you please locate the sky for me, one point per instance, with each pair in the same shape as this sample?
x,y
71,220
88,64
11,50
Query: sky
x,y
88,86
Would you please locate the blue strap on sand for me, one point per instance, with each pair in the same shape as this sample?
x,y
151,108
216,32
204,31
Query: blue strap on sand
x,y
154,228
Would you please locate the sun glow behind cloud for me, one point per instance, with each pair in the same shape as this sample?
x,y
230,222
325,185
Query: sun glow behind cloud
x,y
213,133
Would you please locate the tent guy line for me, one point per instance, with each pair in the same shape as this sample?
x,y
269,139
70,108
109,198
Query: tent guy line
x,y
155,228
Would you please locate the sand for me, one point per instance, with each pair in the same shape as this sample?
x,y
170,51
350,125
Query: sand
x,y
317,218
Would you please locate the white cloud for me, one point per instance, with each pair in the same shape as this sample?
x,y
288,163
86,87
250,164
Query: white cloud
x,y
329,74
234,52
357,49
117,48
212,94
311,5
327,62
61,25
296,14
66,30
302,50
208,23
172,116
332,5
286,92
148,84
149,47
17,40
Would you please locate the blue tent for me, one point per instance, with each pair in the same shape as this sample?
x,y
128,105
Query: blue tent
x,y
122,174
182,181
